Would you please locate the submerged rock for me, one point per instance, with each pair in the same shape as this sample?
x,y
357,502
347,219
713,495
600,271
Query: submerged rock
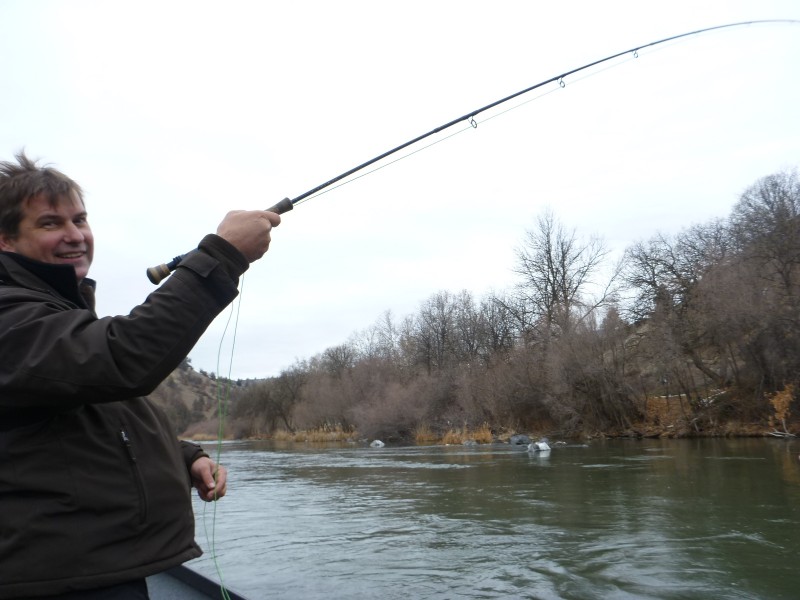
x,y
519,439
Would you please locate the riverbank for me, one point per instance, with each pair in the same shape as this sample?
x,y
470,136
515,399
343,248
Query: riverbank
x,y
664,417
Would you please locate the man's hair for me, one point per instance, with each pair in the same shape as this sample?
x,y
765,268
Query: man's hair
x,y
25,179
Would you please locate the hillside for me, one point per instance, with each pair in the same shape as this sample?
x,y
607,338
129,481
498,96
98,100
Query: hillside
x,y
192,399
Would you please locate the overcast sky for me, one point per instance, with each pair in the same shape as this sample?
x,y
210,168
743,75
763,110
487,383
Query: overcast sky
x,y
169,114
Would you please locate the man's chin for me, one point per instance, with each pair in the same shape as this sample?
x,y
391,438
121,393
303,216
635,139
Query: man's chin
x,y
81,269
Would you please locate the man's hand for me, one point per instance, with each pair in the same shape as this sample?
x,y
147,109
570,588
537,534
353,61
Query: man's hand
x,y
248,231
209,479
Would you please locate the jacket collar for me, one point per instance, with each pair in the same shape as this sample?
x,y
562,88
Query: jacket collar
x,y
33,274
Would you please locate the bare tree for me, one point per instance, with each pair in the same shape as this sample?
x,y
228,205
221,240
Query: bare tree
x,y
665,270
497,329
556,270
670,277
766,224
337,360
434,333
766,227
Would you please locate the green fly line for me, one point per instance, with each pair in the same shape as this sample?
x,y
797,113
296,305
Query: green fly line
x,y
223,391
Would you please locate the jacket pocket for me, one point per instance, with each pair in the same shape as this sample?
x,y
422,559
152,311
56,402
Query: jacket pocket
x,y
135,472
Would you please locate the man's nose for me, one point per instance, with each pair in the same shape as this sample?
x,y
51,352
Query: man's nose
x,y
73,233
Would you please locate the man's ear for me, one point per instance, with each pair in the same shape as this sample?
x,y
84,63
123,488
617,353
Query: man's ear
x,y
7,242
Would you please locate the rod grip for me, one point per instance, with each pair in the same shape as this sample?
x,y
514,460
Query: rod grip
x,y
159,273
281,207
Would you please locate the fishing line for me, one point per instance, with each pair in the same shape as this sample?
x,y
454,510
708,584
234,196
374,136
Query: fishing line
x,y
470,116
158,273
223,397
630,56
383,166
472,125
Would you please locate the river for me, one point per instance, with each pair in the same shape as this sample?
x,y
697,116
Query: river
x,y
650,519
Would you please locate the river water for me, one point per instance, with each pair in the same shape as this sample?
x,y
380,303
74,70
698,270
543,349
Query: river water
x,y
652,519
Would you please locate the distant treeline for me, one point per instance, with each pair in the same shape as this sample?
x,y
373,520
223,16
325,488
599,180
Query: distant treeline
x,y
708,316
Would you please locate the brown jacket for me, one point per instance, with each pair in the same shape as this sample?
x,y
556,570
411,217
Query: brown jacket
x,y
94,487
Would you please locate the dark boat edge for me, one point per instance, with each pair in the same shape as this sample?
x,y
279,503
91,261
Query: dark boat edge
x,y
183,583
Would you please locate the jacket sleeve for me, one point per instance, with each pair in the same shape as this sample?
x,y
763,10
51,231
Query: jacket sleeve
x,y
60,356
191,452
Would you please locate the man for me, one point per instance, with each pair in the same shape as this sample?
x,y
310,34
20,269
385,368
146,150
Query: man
x,y
94,487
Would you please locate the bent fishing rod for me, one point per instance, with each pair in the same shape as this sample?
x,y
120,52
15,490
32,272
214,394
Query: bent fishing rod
x,y
160,272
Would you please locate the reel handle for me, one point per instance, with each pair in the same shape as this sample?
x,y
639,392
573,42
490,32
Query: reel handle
x,y
159,273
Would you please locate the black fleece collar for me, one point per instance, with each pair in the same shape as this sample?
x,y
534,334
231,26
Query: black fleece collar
x,y
36,274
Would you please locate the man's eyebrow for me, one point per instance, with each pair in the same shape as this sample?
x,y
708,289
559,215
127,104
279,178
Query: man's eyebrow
x,y
48,215
57,216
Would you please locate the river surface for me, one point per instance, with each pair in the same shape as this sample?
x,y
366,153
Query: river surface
x,y
652,519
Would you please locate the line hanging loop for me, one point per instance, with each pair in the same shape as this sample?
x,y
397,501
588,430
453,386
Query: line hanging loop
x,y
636,54
473,122
561,82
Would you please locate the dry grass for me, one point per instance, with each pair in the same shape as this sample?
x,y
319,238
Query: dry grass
x,y
781,402
281,435
481,435
203,437
424,435
454,436
319,435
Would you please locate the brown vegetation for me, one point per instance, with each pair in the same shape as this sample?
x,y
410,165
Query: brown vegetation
x,y
692,334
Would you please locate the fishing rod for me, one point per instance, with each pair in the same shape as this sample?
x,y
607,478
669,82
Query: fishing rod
x,y
160,272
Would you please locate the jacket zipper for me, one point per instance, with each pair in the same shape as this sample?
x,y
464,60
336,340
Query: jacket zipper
x,y
137,474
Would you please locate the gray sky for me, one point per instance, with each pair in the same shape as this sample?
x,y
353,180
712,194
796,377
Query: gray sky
x,y
169,114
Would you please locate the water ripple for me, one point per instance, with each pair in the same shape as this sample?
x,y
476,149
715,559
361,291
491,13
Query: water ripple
x,y
494,522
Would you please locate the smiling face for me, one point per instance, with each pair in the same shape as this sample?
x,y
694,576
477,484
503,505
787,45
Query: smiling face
x,y
54,232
